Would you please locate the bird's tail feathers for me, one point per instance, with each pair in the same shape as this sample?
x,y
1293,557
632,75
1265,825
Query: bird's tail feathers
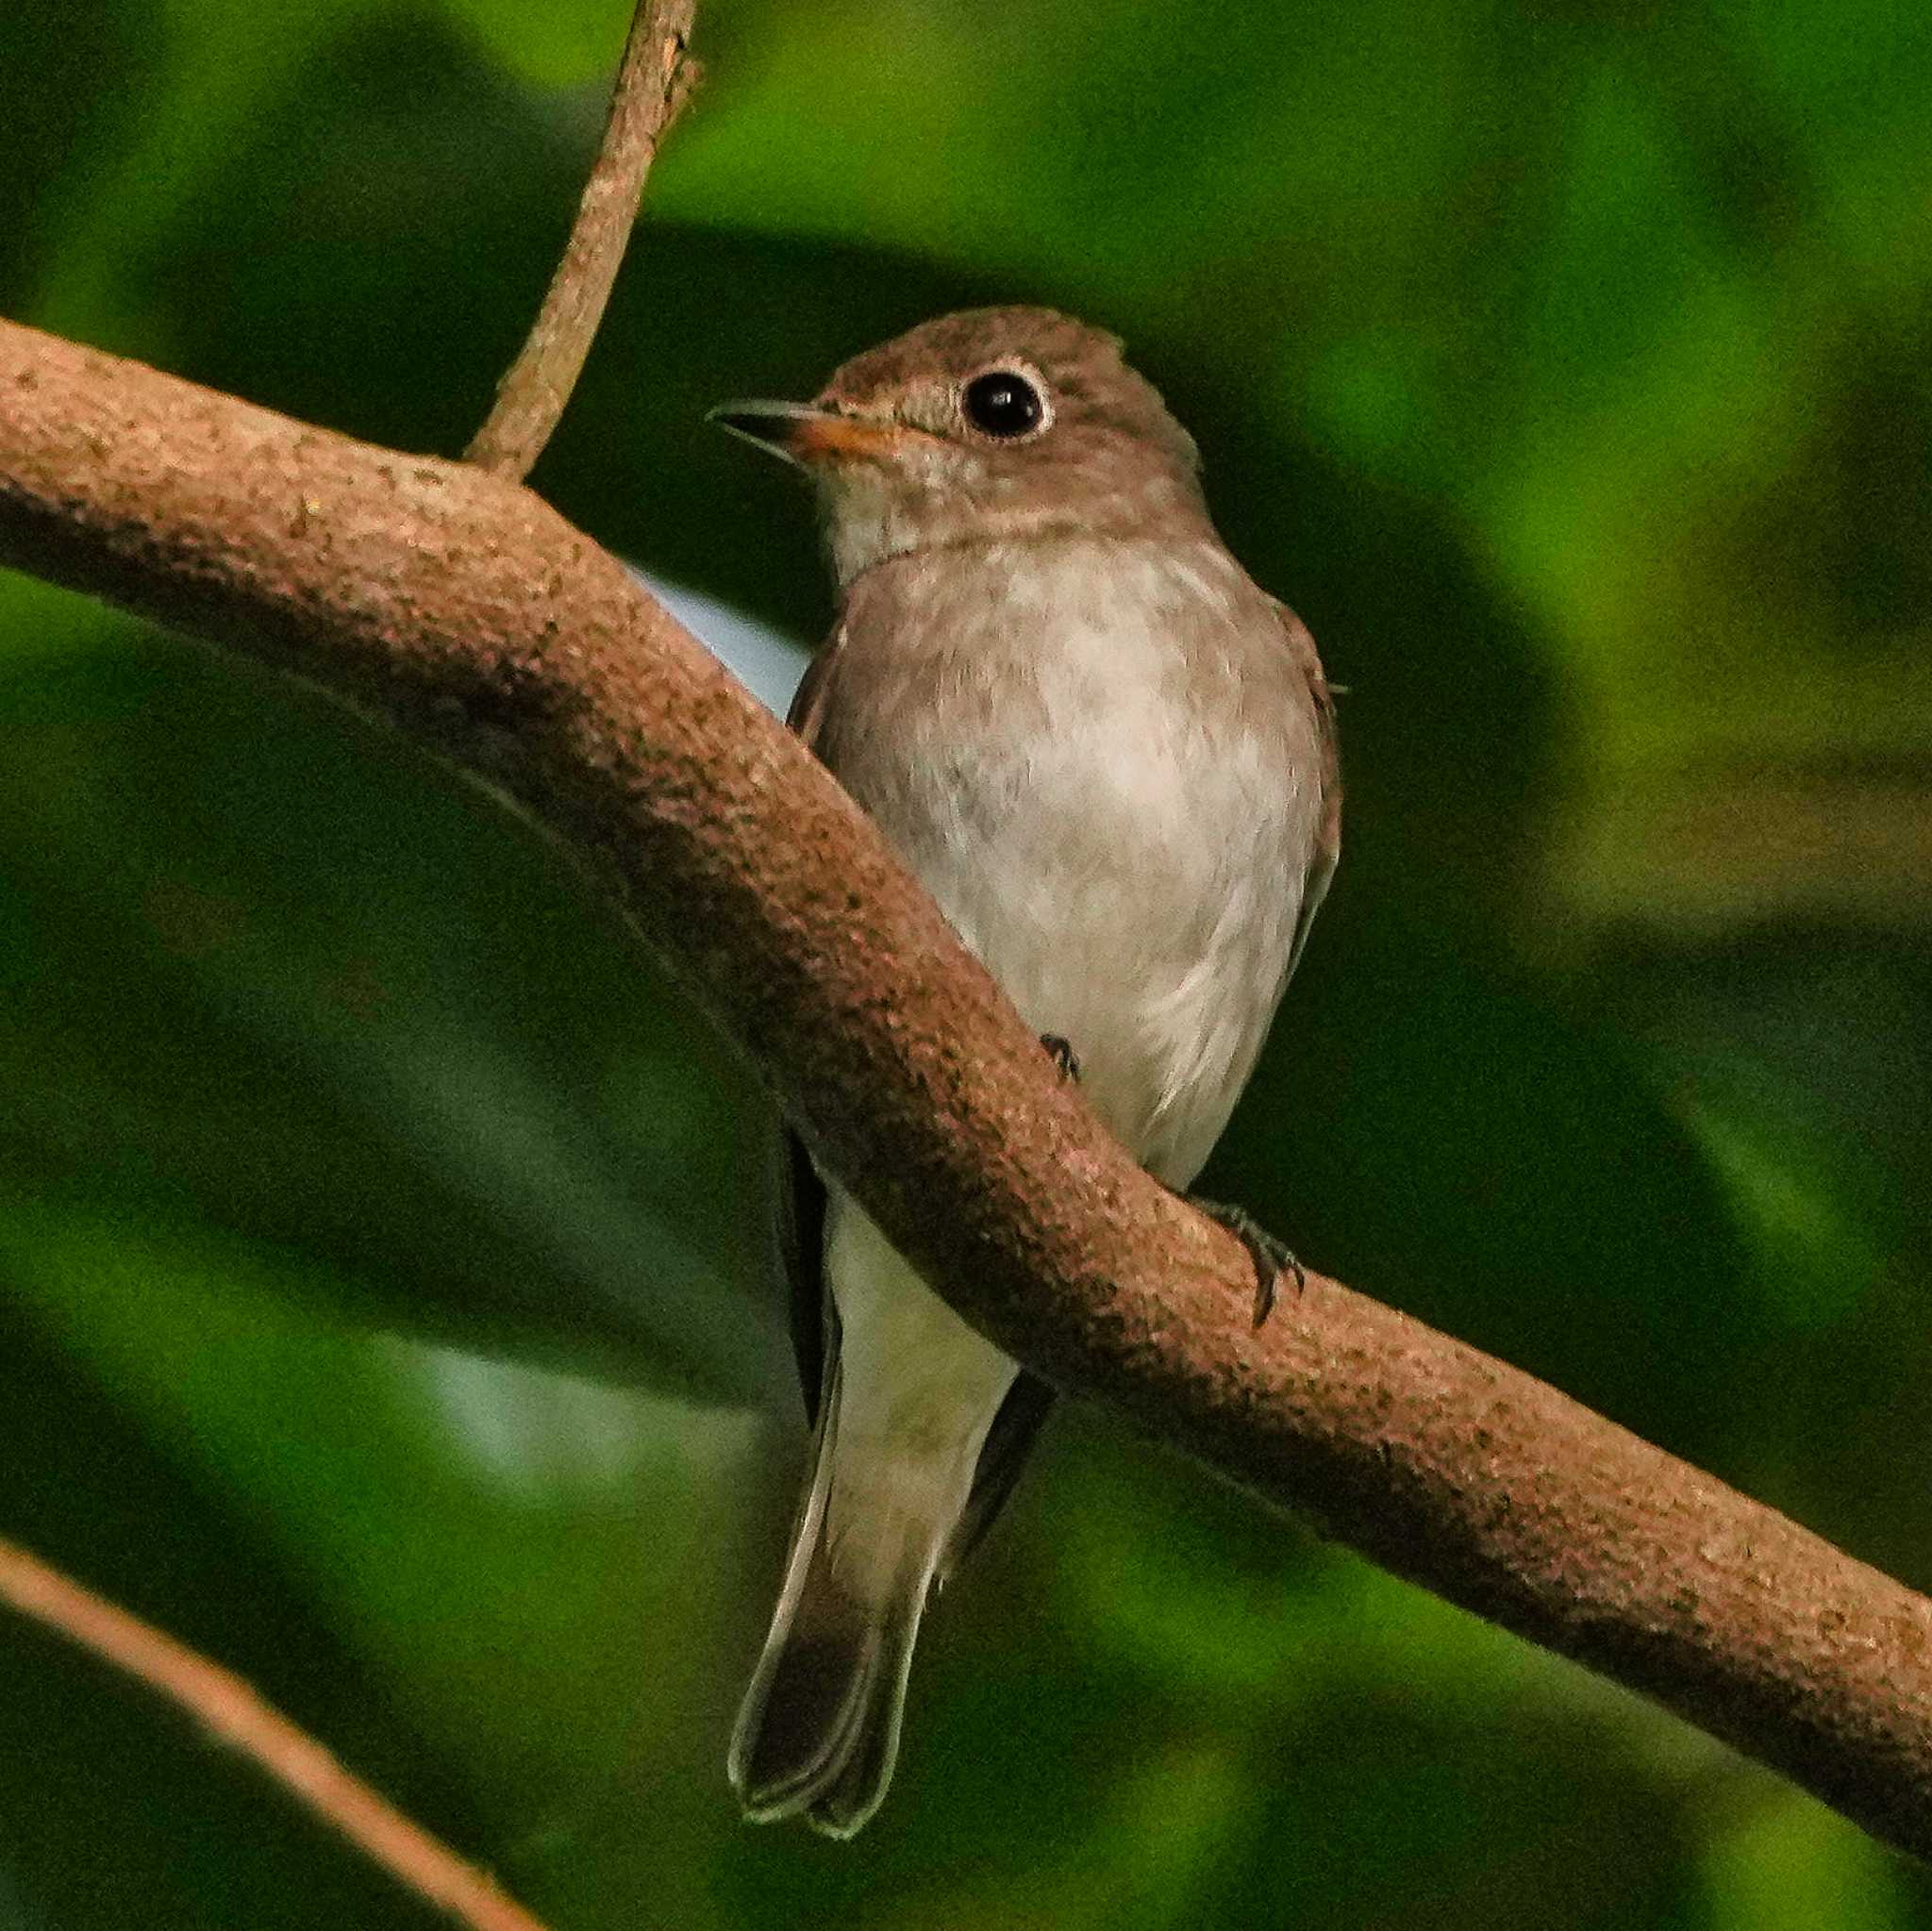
x,y
818,1731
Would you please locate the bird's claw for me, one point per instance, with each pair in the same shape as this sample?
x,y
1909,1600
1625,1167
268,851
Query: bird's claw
x,y
1272,1257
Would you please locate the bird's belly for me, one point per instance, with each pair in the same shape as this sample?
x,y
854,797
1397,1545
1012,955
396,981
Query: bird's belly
x,y
1132,905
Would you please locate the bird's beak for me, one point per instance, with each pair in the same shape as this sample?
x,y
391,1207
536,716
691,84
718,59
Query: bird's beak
x,y
801,432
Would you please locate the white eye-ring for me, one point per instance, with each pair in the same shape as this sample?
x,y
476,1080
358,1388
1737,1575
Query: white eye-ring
x,y
1005,405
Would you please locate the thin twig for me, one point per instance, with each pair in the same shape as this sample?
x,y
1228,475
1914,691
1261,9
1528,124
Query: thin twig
x,y
232,1710
654,81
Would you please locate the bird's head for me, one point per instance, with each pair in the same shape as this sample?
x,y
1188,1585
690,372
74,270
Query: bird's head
x,y
988,425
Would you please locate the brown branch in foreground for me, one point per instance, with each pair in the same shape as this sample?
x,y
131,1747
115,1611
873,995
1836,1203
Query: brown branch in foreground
x,y
231,1710
654,80
469,614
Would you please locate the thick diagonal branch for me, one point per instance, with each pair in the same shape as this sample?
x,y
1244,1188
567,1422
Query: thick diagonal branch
x,y
466,612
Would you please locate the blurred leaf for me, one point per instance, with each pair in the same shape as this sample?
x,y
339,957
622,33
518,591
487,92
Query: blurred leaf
x,y
113,1808
1785,1866
515,1638
565,44
1814,1251
270,1013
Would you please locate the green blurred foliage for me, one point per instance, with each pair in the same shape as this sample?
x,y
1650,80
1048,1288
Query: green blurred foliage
x,y
385,1299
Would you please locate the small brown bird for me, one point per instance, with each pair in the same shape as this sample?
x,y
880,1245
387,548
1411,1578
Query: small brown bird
x,y
1112,760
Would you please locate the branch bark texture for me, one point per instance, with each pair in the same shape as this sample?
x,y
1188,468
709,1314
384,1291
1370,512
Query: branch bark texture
x,y
463,610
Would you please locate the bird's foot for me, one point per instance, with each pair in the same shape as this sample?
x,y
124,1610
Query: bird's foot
x,y
1272,1257
1062,1055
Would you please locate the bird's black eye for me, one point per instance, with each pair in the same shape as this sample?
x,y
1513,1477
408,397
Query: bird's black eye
x,y
1002,404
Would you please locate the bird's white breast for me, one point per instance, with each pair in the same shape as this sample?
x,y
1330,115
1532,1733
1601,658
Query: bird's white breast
x,y
1102,761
